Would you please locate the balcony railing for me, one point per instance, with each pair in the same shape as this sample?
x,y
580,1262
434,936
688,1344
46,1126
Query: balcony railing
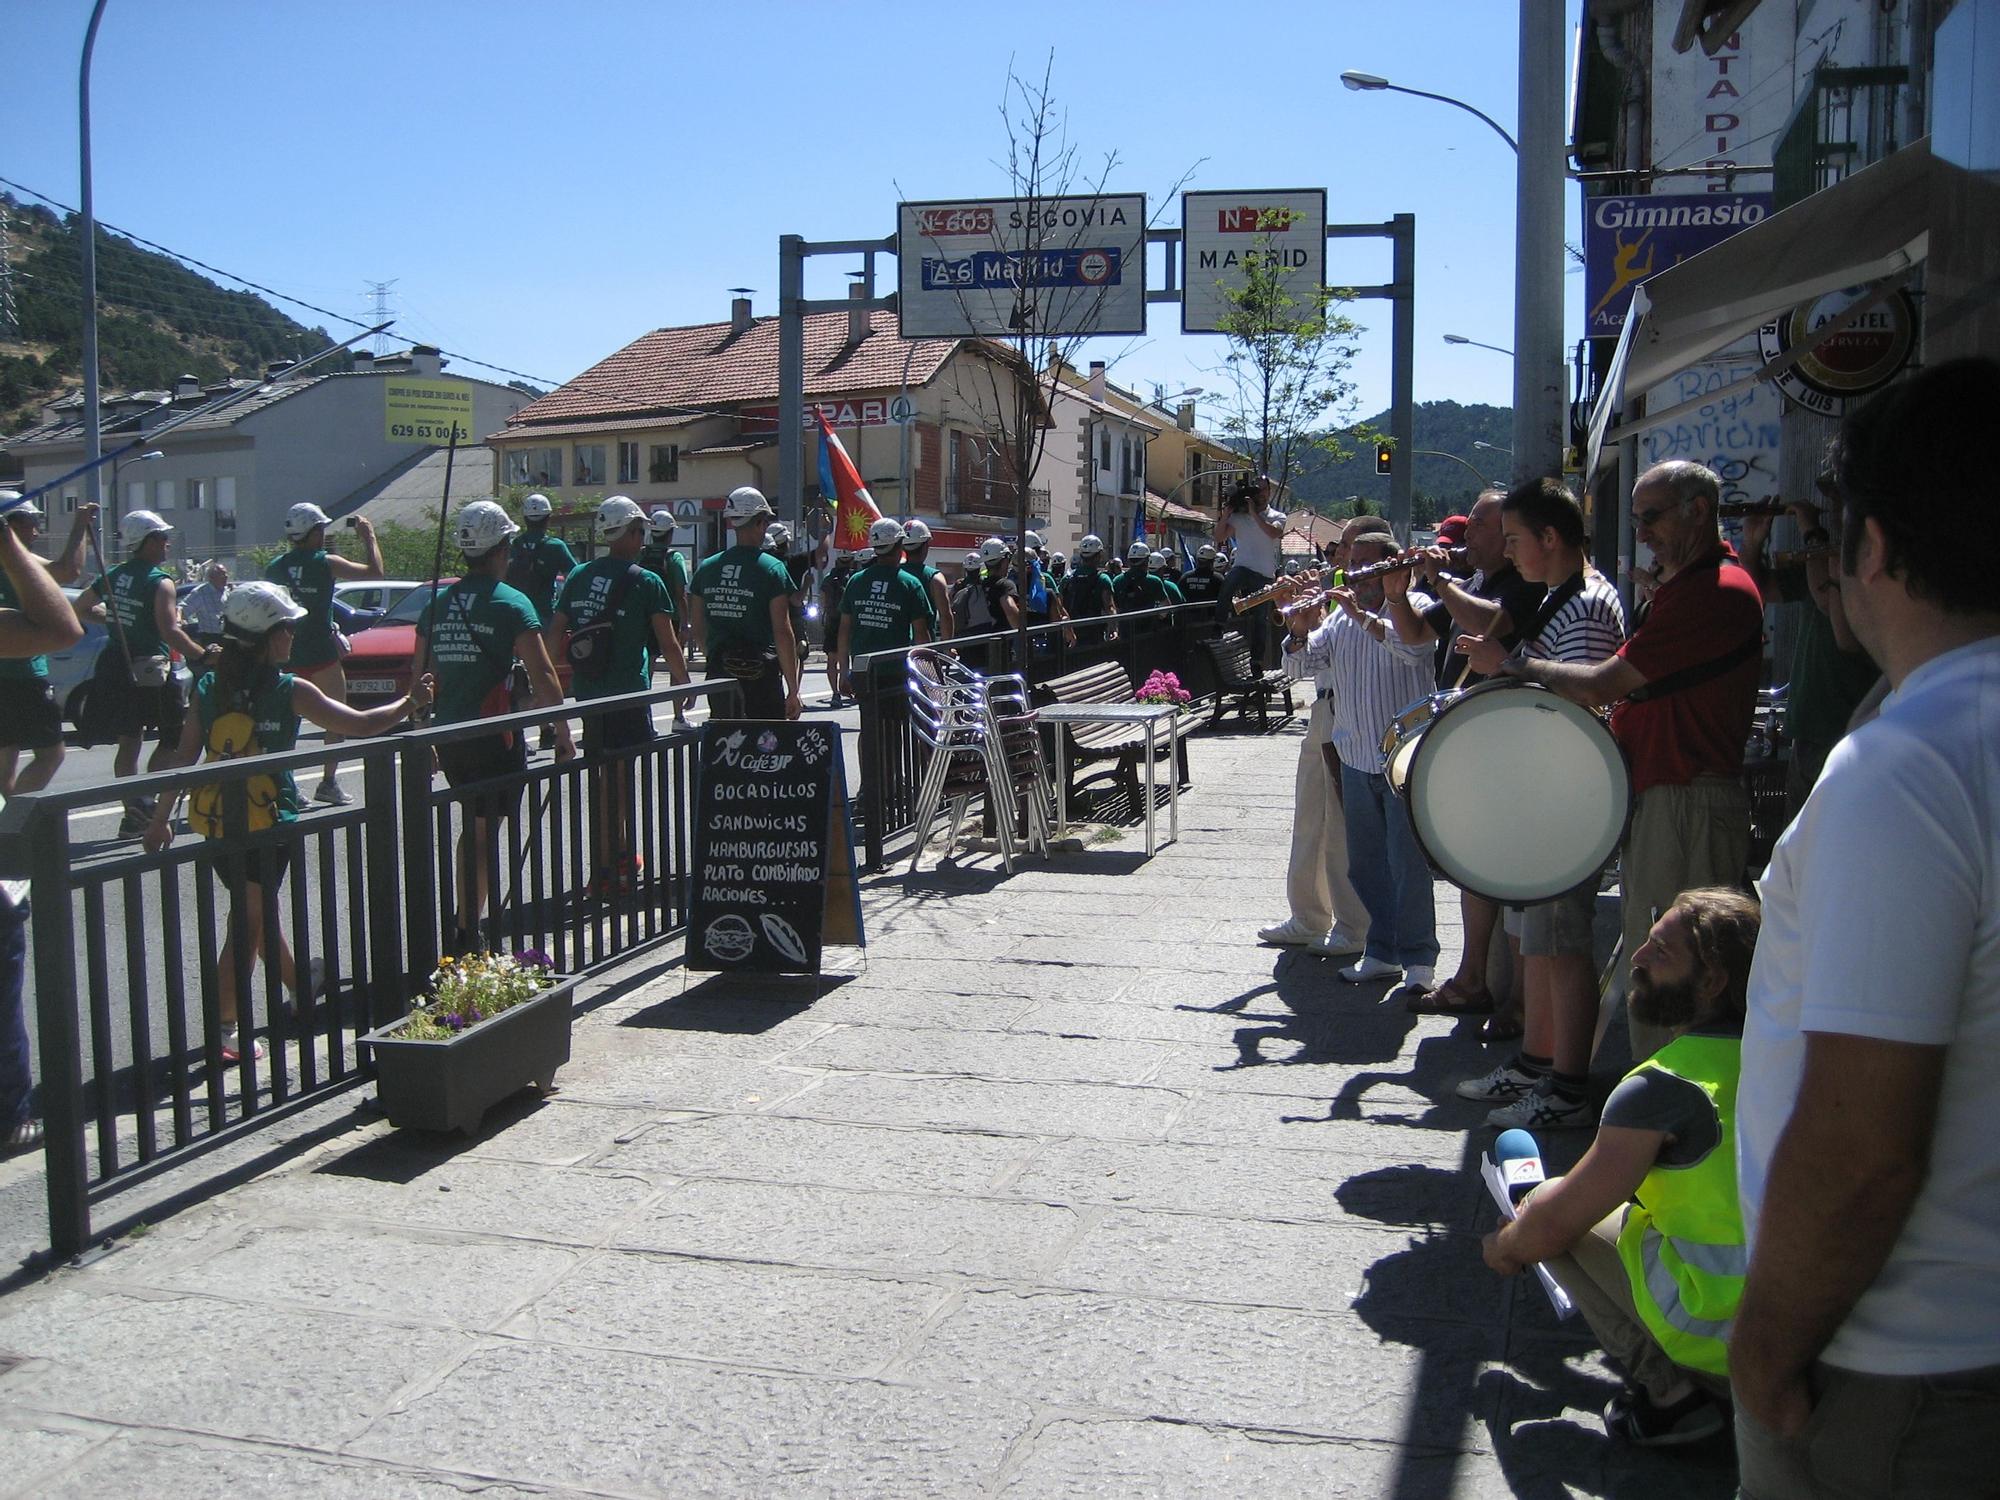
x,y
1847,119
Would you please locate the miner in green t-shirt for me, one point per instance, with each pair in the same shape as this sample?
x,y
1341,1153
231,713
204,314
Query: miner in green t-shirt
x,y
660,556
917,561
308,572
473,632
885,608
1137,587
739,609
613,614
536,561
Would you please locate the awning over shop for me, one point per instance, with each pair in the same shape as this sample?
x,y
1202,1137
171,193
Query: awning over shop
x,y
1874,225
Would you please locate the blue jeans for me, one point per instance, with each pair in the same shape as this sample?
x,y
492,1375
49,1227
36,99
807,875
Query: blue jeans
x,y
1388,872
17,1078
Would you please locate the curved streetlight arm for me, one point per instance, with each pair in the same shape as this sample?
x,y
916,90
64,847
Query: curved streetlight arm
x,y
1434,453
1513,144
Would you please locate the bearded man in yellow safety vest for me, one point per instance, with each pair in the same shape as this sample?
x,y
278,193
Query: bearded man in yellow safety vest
x,y
1645,1233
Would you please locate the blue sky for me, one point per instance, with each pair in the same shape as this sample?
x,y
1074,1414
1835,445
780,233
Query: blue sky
x,y
544,184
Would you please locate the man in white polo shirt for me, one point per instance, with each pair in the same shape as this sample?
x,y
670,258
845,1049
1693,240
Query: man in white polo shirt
x,y
1866,1353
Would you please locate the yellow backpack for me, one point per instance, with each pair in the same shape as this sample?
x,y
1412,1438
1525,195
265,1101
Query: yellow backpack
x,y
233,734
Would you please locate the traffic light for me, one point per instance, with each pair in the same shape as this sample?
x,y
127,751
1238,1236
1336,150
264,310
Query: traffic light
x,y
1383,454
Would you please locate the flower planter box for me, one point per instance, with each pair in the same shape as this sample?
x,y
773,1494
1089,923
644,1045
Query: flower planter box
x,y
449,1085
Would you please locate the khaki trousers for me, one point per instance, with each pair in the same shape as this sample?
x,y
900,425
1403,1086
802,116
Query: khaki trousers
x,y
1595,1279
1316,884
1682,837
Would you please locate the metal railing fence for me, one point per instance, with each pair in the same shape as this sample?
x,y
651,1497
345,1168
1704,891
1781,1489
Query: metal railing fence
x,y
127,947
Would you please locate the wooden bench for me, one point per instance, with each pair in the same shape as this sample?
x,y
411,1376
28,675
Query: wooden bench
x,y
1238,683
1123,746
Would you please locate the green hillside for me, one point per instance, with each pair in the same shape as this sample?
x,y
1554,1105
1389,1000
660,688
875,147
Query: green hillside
x,y
1442,487
157,320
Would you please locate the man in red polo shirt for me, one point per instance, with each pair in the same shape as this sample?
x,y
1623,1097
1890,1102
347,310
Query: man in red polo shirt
x,y
1685,686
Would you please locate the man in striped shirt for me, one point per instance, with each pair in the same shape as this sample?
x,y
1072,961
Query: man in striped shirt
x,y
1547,1085
1376,675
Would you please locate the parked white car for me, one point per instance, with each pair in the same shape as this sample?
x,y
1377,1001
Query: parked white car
x,y
374,593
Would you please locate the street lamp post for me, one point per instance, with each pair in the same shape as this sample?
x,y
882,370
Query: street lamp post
x,y
93,437
1459,338
1539,176
1492,447
1484,482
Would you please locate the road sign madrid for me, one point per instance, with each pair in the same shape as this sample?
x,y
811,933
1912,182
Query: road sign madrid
x,y
426,411
1220,230
1002,266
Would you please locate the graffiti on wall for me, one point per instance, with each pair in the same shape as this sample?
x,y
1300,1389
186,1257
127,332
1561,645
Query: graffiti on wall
x,y
1737,434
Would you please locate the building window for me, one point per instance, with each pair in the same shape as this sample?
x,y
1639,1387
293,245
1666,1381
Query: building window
x,y
589,463
666,465
1104,449
69,500
197,496
163,494
225,506
135,495
628,463
535,466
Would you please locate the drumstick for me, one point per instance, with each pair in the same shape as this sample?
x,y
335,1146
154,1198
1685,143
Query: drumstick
x,y
1463,673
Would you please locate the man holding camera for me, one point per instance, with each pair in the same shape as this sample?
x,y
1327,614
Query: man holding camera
x,y
1254,528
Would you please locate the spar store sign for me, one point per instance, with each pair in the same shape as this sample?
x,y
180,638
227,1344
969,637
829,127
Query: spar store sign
x,y
871,411
1002,266
1223,233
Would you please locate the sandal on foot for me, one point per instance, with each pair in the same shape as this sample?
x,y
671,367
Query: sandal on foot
x,y
26,1136
1439,1002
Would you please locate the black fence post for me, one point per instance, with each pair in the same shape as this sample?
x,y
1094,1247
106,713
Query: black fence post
x,y
61,1037
418,852
874,784
385,858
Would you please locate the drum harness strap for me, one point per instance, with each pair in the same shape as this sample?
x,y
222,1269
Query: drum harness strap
x,y
1701,671
1552,604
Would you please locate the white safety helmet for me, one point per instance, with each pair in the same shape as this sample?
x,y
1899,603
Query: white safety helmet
x,y
1034,541
302,518
1090,549
1058,557
661,522
11,505
778,538
137,525
253,610
1161,559
536,507
746,503
995,549
1205,552
972,562
1138,552
482,526
916,534
615,517
886,535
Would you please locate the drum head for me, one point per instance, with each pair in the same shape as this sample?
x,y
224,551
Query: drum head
x,y
1516,794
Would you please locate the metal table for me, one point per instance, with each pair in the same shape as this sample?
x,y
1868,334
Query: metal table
x,y
1150,716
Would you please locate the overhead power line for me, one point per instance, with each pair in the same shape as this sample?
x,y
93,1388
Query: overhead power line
x,y
262,290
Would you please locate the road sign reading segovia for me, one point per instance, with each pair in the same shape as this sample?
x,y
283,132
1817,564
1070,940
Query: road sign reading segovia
x,y
1001,266
426,411
1219,231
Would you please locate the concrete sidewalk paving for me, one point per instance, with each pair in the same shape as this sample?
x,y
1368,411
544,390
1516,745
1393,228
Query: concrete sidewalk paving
x,y
1072,1189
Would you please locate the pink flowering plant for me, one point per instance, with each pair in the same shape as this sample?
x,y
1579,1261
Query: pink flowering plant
x,y
475,988
1164,687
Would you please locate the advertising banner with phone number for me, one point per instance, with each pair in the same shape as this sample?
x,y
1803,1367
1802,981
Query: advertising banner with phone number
x,y
426,411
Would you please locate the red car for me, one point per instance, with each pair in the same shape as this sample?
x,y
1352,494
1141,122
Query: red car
x,y
384,657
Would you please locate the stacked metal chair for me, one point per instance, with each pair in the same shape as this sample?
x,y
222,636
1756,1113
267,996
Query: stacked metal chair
x,y
983,743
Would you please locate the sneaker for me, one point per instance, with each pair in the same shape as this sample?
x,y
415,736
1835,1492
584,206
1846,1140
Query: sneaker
x,y
333,794
1335,944
1420,977
1502,1084
1290,933
1633,1417
133,823
1365,968
1544,1109
232,1047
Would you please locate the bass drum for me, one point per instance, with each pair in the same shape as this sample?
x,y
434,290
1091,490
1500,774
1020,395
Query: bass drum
x,y
1514,793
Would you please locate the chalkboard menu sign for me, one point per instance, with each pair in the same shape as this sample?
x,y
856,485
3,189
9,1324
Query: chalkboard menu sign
x,y
766,821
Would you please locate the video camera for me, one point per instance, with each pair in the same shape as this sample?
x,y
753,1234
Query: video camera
x,y
1239,497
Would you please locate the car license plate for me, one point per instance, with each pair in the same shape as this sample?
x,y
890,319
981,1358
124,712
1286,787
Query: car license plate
x,y
372,685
